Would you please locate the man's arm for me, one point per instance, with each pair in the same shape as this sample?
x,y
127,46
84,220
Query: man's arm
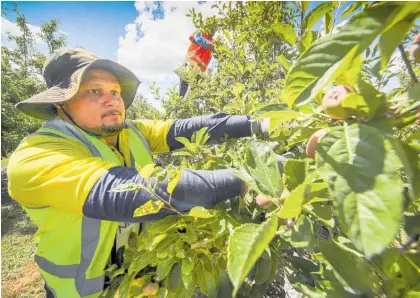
x,y
218,125
54,172
199,39
195,188
162,135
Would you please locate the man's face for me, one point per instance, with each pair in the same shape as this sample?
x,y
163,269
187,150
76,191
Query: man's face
x,y
98,106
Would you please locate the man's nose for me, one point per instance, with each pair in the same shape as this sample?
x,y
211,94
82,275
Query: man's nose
x,y
111,100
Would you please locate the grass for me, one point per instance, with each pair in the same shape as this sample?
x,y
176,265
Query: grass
x,y
19,275
4,162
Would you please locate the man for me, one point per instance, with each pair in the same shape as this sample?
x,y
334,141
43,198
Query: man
x,y
198,55
63,174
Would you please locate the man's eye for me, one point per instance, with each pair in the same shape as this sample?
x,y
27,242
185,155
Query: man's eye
x,y
94,91
115,93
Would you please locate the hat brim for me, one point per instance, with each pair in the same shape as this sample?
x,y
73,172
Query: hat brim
x,y
42,105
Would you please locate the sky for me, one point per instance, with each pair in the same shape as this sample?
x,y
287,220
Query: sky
x,y
150,38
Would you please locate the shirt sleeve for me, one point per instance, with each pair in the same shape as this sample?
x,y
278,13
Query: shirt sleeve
x,y
155,132
199,39
49,171
162,135
195,188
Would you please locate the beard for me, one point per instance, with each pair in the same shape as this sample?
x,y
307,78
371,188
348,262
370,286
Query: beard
x,y
110,129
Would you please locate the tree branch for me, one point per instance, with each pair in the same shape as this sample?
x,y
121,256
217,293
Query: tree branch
x,y
408,64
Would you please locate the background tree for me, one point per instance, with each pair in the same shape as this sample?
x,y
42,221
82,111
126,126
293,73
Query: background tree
x,y
21,70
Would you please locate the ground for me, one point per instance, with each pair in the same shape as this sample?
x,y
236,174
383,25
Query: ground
x,y
20,276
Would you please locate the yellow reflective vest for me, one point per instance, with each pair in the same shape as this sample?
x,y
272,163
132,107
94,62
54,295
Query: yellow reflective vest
x,y
81,271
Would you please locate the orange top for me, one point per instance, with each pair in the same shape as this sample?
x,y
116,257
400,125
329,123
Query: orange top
x,y
199,54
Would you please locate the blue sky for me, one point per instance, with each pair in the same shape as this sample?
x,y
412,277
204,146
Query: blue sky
x,y
150,38
94,25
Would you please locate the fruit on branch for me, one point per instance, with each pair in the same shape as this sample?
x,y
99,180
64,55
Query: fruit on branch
x,y
150,289
263,201
415,48
314,141
136,286
333,100
138,282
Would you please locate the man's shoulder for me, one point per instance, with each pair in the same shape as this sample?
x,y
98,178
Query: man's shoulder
x,y
46,145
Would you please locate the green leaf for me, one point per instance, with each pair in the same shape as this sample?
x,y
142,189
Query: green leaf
x,y
286,32
328,21
147,171
164,268
295,171
284,62
411,162
292,205
408,101
363,177
188,263
410,269
328,57
352,7
266,268
270,108
261,171
359,106
322,212
303,6
307,39
156,241
184,141
182,153
140,262
279,117
390,40
206,280
174,178
199,211
175,276
239,39
150,207
340,257
301,134
301,234
225,287
200,137
316,14
245,246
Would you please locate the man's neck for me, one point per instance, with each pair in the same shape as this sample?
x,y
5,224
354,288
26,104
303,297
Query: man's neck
x,y
111,141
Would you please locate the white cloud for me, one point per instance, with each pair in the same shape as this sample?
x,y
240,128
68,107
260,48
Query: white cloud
x,y
154,48
8,26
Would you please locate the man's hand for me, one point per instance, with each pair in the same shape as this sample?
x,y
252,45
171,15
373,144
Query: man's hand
x,y
260,127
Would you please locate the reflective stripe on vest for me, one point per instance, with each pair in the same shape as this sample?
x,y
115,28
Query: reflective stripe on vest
x,y
90,231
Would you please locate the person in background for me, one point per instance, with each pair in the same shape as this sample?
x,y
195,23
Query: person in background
x,y
198,55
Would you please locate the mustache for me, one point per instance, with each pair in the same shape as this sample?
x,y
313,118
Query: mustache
x,y
112,112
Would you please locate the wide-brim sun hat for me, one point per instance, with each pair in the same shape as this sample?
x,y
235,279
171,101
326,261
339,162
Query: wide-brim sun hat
x,y
64,71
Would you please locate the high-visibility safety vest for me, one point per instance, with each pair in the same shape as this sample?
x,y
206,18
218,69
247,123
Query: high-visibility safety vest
x,y
199,54
73,253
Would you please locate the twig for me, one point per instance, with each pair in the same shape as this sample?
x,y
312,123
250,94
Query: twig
x,y
158,197
408,64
